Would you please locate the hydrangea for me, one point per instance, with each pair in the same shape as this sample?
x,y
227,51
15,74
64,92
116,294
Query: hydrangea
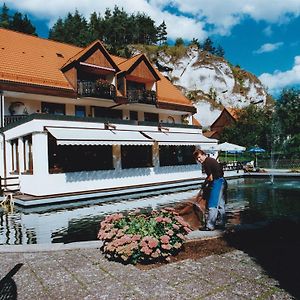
x,y
140,238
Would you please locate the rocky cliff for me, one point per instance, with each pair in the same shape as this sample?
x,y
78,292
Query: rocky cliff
x,y
210,81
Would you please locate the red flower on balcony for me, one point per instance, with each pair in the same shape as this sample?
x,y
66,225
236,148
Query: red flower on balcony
x,y
102,84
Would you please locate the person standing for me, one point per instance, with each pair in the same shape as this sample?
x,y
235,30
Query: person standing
x,y
214,178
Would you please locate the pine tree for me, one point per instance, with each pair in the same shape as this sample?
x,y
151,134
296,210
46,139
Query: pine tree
x,y
208,46
195,42
4,17
21,24
179,42
162,34
220,51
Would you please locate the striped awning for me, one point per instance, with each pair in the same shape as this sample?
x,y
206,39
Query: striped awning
x,y
91,136
179,138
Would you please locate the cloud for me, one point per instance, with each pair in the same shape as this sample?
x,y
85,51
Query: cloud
x,y
188,18
279,80
268,47
268,31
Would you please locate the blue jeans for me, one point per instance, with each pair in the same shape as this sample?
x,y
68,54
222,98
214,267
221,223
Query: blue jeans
x,y
216,204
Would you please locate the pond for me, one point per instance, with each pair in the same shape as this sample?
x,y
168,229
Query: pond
x,y
249,200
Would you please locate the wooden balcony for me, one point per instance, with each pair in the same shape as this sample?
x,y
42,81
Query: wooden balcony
x,y
93,89
13,119
141,96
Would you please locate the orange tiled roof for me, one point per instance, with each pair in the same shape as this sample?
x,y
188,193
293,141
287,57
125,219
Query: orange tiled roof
x,y
167,92
29,59
33,60
126,64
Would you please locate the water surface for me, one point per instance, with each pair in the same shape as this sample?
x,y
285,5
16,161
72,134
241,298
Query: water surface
x,y
249,200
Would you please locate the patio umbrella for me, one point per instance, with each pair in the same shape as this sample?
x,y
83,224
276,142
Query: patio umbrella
x,y
256,150
230,148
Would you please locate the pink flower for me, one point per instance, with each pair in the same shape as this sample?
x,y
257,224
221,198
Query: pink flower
x,y
166,246
175,226
146,250
167,220
159,219
153,243
187,229
165,239
181,236
177,245
170,232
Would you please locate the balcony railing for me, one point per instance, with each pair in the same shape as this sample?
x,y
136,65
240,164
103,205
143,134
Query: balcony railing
x,y
13,119
92,89
141,96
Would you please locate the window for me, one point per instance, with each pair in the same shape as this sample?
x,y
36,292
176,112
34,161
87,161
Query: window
x,y
104,112
151,117
131,85
76,158
53,108
80,111
176,155
14,156
136,156
28,164
133,115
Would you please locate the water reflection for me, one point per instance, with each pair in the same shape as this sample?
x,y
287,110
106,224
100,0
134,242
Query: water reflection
x,y
249,200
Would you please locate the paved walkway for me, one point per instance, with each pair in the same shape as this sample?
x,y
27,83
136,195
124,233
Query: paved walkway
x,y
86,274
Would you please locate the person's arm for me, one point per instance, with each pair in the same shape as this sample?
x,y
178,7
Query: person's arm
x,y
209,176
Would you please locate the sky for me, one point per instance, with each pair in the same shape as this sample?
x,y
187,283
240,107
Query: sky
x,y
262,36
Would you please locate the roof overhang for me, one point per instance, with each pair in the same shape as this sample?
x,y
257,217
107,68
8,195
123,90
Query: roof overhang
x,y
92,136
178,138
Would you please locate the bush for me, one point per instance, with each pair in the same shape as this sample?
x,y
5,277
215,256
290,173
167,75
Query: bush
x,y
141,238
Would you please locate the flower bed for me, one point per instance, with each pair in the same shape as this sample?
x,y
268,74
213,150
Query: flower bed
x,y
141,238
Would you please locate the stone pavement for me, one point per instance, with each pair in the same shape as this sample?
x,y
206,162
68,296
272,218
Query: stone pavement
x,y
86,274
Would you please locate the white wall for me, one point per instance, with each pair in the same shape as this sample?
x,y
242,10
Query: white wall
x,y
95,180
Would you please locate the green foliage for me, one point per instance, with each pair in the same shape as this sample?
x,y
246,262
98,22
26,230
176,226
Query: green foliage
x,y
162,34
16,22
143,238
195,42
288,121
117,29
179,42
252,127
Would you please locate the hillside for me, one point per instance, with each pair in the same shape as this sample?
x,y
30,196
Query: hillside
x,y
210,81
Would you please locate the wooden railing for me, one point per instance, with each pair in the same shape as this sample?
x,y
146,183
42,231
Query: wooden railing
x,y
141,96
13,118
87,88
10,184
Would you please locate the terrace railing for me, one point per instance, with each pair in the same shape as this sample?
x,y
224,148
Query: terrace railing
x,y
87,88
141,96
13,119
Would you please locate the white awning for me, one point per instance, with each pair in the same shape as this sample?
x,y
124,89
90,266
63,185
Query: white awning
x,y
83,136
179,138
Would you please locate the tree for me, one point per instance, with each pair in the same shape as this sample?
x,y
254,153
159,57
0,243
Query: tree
x,y
287,122
252,127
4,17
162,33
21,24
208,46
219,51
195,42
179,42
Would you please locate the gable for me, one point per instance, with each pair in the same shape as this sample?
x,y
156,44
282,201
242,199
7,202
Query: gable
x,y
141,73
97,58
224,119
